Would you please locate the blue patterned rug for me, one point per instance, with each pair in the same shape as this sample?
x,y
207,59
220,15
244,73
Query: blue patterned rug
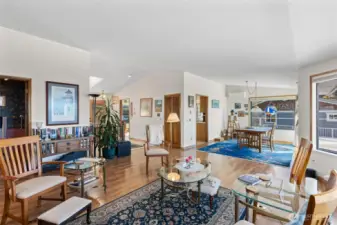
x,y
144,206
281,155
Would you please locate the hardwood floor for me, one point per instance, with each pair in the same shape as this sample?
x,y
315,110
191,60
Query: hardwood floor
x,y
127,174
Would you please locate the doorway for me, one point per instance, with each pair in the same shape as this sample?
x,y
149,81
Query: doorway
x,y
15,108
172,105
202,119
124,111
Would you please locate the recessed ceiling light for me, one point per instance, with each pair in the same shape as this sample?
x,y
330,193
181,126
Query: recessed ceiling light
x,y
129,76
6,79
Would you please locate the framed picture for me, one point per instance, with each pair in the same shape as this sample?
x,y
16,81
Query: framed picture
x,y
146,107
62,103
215,104
241,114
158,105
246,107
190,101
237,105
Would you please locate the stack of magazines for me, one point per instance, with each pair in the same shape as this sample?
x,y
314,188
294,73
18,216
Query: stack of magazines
x,y
249,179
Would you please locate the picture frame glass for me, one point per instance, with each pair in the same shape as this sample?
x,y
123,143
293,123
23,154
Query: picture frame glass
x,y
146,107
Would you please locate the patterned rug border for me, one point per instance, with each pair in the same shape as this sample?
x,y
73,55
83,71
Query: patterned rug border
x,y
219,218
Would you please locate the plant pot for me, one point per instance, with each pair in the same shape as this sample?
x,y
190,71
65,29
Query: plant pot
x,y
109,153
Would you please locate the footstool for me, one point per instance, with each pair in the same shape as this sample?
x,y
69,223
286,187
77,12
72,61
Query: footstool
x,y
66,212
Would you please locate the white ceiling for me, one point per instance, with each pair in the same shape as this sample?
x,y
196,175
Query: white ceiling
x,y
229,41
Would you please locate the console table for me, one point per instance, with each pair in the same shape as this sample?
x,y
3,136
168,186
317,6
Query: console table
x,y
55,147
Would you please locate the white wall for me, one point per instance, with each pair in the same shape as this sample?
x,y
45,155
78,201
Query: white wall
x,y
198,85
238,97
27,56
321,161
151,86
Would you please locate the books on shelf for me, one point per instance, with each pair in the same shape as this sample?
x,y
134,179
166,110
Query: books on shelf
x,y
249,179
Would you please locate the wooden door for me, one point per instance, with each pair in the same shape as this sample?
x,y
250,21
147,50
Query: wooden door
x,y
172,104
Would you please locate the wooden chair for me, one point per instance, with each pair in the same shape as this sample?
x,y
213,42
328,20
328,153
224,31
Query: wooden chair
x,y
155,144
243,139
301,161
20,158
269,139
319,208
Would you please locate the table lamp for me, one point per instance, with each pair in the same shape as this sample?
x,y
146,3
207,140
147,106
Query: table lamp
x,y
172,118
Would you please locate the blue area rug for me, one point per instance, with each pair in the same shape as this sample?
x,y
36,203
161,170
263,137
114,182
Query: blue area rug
x,y
145,206
281,155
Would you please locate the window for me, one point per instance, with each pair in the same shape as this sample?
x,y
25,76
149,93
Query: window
x,y
278,109
325,113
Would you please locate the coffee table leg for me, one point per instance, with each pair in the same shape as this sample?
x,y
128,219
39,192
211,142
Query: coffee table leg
x,y
199,184
162,188
236,215
88,214
82,183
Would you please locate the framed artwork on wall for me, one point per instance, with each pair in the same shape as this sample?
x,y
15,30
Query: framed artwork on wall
x,y
215,104
190,101
158,105
237,105
241,114
146,107
62,103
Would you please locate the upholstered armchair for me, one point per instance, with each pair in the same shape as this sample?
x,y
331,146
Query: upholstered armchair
x,y
155,144
20,158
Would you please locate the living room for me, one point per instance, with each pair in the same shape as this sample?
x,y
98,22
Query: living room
x,y
172,112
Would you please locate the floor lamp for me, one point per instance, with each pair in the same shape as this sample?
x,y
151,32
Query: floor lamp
x,y
172,118
94,96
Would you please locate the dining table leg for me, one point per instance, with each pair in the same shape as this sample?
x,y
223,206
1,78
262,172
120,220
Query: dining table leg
x,y
260,143
236,213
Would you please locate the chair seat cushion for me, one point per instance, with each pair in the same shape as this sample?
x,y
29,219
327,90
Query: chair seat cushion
x,y
65,210
243,222
36,185
209,186
157,151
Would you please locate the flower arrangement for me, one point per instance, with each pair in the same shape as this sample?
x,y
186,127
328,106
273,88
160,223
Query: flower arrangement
x,y
188,162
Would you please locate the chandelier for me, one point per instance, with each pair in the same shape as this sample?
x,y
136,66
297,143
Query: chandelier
x,y
250,91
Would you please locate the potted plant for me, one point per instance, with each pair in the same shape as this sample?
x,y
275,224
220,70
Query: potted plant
x,y
107,131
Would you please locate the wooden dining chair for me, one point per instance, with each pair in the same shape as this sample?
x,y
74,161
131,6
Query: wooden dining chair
x,y
20,158
269,139
301,161
155,145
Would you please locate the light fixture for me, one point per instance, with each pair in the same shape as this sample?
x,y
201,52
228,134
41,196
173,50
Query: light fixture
x,y
252,92
172,118
129,76
102,94
6,79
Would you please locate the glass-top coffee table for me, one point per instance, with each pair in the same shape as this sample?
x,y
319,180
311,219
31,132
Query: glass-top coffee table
x,y
180,177
272,197
86,168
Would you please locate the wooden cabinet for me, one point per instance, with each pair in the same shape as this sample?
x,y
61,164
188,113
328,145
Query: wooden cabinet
x,y
54,147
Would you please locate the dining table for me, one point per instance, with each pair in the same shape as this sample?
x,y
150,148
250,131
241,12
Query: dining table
x,y
255,135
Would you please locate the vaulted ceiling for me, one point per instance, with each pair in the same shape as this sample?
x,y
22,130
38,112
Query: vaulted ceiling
x,y
229,41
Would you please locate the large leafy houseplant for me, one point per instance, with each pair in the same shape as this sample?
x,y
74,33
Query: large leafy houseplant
x,y
107,131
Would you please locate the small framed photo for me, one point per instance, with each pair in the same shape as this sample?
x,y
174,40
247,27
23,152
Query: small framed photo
x,y
241,114
158,105
237,105
146,107
215,104
190,101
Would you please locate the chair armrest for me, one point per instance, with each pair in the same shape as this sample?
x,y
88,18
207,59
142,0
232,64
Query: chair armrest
x,y
168,144
61,163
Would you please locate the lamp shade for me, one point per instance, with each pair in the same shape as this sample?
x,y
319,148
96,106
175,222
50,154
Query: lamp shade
x,y
173,118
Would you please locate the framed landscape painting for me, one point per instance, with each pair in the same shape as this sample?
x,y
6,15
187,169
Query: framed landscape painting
x,y
62,103
146,107
215,104
158,105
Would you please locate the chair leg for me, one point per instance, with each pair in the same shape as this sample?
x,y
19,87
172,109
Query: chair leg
x,y
211,201
167,160
24,212
64,191
147,165
6,209
162,160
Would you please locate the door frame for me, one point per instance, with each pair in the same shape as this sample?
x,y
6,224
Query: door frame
x,y
206,118
173,95
28,93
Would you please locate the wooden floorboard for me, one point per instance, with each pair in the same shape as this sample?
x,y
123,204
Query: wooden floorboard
x,y
129,173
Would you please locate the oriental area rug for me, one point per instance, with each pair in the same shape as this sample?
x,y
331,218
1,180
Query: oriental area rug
x,y
145,206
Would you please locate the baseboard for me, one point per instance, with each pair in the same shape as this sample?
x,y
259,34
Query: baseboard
x,y
189,147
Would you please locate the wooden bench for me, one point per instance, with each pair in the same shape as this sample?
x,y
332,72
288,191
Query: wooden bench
x,y
66,212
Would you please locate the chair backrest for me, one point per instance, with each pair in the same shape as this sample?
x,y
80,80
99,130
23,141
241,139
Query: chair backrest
x,y
20,157
322,206
332,182
155,134
272,131
301,161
